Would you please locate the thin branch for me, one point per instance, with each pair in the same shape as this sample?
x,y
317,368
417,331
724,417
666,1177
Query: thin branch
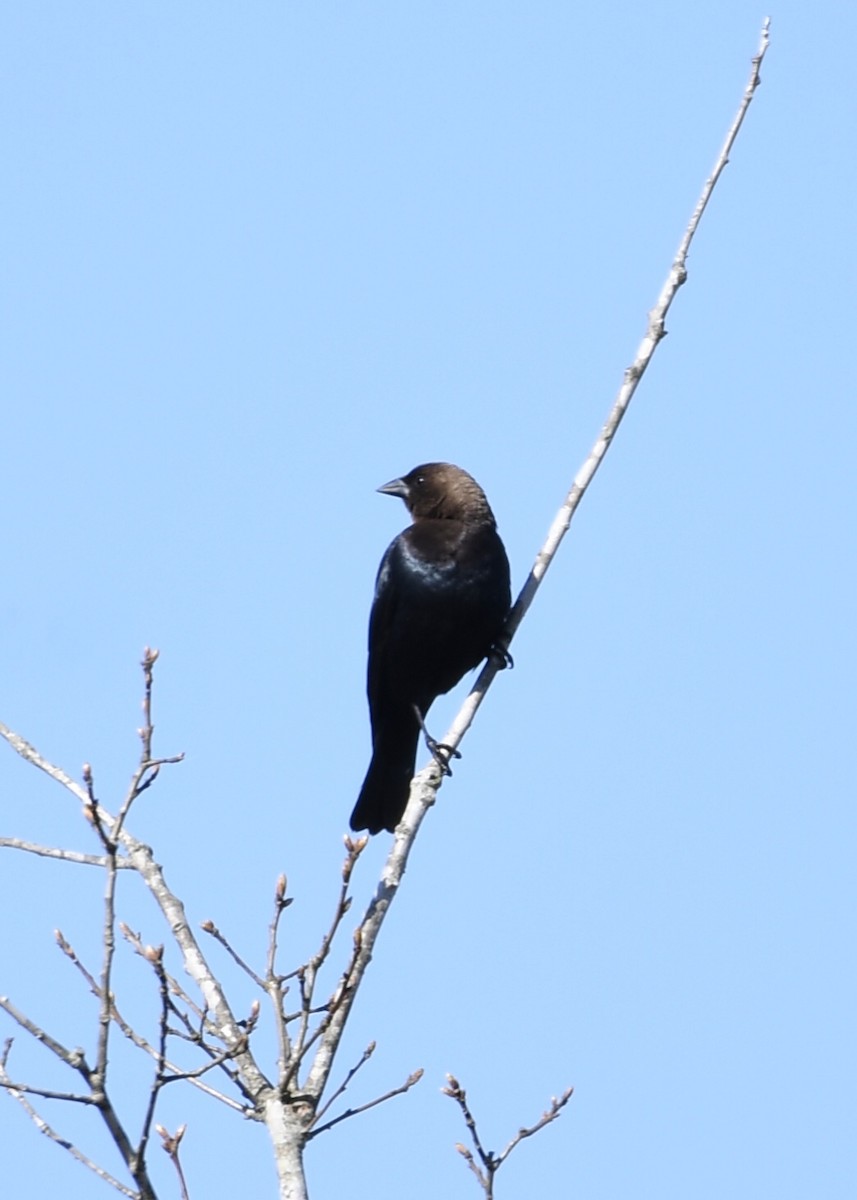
x,y
308,976
457,1093
72,1058
557,1104
254,1082
148,768
362,1108
193,1076
156,959
73,856
13,1085
195,1036
97,1077
31,755
171,1143
342,997
98,1098
281,903
139,946
175,1072
274,984
43,1127
367,1054
211,929
150,657
467,1155
491,1162
70,953
108,936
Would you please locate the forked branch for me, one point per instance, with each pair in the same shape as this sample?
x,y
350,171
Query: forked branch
x,y
489,1163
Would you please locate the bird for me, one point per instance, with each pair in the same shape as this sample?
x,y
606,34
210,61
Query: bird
x,y
442,596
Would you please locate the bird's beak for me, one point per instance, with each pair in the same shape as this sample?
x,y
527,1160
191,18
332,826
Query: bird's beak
x,y
396,487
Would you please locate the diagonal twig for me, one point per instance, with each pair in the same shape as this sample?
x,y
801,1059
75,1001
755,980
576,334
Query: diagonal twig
x,y
211,929
362,1108
72,856
31,755
364,1058
557,1104
72,1058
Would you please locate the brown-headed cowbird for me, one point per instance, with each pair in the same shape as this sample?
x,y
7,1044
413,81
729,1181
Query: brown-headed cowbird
x,y
441,597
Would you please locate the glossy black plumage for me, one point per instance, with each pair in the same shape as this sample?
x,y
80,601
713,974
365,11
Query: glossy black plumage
x,y
441,597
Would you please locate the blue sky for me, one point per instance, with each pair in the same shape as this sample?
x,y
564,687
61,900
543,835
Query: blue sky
x,y
258,260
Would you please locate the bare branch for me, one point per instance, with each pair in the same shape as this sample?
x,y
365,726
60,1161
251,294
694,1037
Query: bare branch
x,y
98,1098
195,1036
45,1093
171,1143
456,1092
194,1076
491,1162
97,1077
176,988
227,1026
148,768
210,928
31,755
41,1124
70,953
338,1003
72,856
308,975
367,1054
551,1114
274,984
156,958
281,903
150,657
108,936
353,1112
72,1058
467,1155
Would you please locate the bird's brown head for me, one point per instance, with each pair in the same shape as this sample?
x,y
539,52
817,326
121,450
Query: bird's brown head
x,y
441,491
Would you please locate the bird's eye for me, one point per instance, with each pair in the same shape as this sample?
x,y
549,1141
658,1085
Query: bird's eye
x,y
420,480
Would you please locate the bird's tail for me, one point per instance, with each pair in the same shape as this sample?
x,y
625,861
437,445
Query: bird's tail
x,y
384,795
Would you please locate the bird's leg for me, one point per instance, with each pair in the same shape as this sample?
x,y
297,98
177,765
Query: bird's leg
x,y
440,752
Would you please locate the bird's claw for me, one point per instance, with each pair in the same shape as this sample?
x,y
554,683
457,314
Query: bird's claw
x,y
440,752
